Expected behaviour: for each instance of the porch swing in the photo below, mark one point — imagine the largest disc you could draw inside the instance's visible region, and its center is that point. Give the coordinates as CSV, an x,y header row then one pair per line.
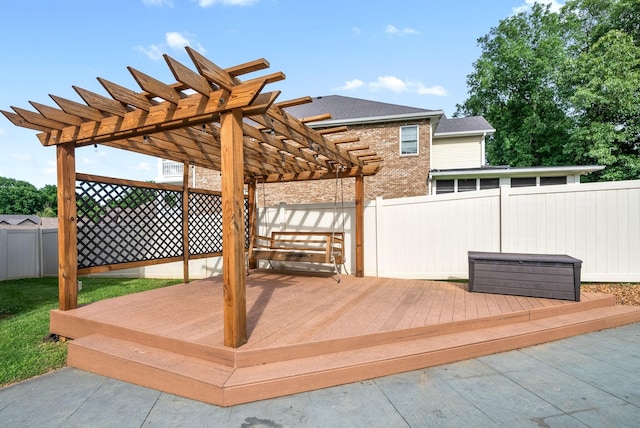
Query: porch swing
x,y
324,247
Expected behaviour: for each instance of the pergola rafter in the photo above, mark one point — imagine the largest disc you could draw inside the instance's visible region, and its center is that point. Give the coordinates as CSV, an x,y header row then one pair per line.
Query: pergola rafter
x,y
208,118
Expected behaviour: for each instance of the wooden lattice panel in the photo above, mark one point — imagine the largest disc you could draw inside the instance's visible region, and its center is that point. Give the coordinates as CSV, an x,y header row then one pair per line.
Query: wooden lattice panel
x,y
120,223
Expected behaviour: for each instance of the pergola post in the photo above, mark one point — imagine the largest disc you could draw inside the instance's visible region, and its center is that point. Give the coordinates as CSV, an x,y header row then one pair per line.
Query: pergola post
x,y
231,144
359,226
185,222
253,218
67,227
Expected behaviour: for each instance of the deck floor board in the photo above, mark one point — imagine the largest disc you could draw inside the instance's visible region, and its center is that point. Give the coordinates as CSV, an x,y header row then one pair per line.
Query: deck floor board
x,y
286,309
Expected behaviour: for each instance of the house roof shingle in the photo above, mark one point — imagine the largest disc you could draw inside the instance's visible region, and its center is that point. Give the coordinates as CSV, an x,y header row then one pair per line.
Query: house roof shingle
x,y
344,108
348,109
463,125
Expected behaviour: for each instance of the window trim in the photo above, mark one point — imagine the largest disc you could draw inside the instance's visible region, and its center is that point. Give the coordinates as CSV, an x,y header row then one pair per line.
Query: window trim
x,y
417,153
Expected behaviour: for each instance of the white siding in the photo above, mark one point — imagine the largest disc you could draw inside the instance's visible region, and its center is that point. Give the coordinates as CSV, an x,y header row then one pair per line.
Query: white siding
x,y
454,153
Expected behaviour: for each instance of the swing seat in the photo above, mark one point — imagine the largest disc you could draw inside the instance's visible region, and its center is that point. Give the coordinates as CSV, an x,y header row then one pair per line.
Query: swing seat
x,y
314,247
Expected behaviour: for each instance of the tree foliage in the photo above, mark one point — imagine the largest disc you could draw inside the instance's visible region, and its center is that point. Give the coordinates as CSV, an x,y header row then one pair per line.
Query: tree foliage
x,y
606,90
133,197
21,197
562,89
514,88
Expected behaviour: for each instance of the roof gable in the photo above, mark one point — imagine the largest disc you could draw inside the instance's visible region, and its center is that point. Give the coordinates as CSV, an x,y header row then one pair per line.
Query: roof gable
x,y
19,220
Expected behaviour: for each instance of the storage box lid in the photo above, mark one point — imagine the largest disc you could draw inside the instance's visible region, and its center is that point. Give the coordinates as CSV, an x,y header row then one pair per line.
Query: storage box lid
x,y
523,257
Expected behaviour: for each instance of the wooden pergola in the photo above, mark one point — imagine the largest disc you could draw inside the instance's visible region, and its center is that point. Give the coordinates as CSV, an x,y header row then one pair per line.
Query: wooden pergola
x,y
208,118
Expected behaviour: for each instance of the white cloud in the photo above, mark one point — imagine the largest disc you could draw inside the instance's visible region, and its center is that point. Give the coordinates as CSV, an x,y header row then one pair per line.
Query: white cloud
x,y
142,166
153,52
356,30
391,83
391,29
394,84
158,2
207,3
350,85
176,40
433,90
528,4
173,40
2,132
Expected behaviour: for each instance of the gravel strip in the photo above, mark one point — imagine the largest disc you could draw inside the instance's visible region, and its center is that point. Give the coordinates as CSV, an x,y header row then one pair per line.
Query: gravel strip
x,y
626,294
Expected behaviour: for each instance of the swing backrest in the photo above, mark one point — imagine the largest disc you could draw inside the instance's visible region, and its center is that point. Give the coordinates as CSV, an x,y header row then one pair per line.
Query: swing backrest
x,y
319,247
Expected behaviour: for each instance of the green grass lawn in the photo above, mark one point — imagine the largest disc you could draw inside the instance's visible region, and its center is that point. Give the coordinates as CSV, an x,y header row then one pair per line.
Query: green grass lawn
x,y
24,320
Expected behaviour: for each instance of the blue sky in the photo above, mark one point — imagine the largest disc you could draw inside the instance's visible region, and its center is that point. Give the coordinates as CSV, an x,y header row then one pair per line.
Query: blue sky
x,y
415,53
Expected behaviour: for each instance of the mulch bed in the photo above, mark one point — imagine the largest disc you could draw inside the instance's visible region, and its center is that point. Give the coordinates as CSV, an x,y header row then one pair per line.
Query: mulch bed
x,y
626,294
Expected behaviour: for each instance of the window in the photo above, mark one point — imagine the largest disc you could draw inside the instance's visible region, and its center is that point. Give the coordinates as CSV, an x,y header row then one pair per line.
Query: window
x,y
408,140
444,186
172,168
466,184
489,183
549,181
523,181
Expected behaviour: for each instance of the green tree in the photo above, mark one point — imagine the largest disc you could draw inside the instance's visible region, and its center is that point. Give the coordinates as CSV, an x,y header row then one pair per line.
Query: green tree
x,y
88,208
50,198
515,87
589,20
19,197
563,88
602,85
133,197
606,99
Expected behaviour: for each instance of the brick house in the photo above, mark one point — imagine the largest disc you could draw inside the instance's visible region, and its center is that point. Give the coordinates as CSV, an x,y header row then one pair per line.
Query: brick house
x,y
403,136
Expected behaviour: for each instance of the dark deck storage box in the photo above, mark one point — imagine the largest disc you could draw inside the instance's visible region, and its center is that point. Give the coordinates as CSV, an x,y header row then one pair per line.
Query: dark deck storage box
x,y
532,275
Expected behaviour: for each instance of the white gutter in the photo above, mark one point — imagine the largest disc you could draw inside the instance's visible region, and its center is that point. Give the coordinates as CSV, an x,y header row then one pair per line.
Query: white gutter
x,y
464,133
517,172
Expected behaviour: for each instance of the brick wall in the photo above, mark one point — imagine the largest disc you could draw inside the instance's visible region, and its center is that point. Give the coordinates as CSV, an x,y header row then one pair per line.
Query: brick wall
x,y
399,177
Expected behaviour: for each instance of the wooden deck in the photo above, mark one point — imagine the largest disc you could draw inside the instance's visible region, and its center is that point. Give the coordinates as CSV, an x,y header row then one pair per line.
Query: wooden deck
x,y
311,332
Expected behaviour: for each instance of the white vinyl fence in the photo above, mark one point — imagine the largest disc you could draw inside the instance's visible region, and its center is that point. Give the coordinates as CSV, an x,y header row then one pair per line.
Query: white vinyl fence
x,y
429,236
28,253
